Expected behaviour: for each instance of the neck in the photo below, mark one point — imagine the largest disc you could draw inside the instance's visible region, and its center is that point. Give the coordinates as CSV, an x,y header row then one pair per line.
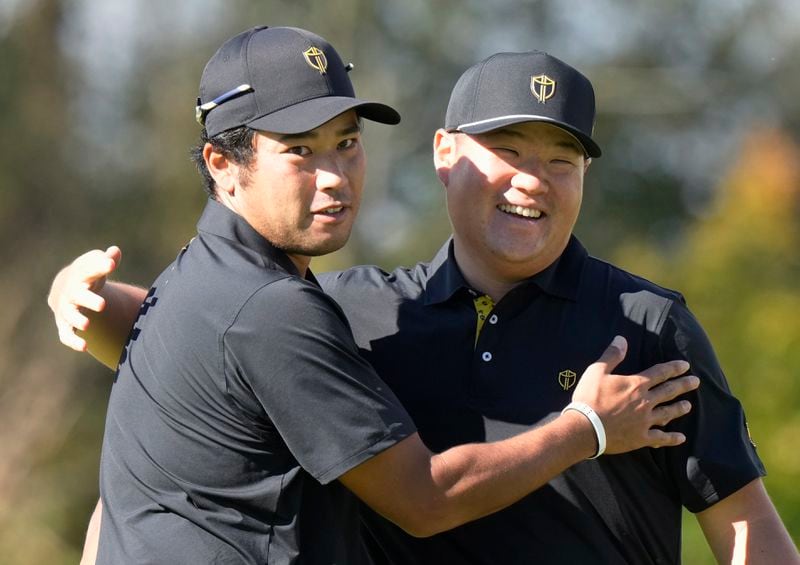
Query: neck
x,y
492,275
301,262
483,277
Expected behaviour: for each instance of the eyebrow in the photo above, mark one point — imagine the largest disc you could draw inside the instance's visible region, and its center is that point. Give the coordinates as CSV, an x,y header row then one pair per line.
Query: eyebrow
x,y
313,134
571,145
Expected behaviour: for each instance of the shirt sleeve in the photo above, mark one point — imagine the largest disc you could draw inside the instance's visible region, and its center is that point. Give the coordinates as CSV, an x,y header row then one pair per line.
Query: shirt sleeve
x,y
718,457
293,346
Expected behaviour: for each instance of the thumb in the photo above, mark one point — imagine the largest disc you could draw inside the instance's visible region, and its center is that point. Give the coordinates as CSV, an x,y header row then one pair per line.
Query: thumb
x,y
614,353
115,254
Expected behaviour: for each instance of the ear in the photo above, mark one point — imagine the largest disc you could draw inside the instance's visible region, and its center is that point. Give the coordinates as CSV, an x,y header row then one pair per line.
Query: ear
x,y
444,151
224,171
586,163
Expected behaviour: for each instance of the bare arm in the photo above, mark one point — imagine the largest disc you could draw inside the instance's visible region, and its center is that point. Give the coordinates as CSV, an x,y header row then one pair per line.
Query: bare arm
x,y
745,528
92,314
425,493
92,536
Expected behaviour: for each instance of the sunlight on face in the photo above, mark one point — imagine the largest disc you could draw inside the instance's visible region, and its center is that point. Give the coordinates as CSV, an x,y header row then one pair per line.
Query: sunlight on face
x,y
513,195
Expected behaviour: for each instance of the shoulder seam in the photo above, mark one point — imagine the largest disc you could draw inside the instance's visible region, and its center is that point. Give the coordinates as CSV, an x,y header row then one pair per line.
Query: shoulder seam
x,y
229,324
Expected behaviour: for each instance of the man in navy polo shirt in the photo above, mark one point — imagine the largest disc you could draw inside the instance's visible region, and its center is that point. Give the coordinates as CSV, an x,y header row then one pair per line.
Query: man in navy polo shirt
x,y
242,419
512,309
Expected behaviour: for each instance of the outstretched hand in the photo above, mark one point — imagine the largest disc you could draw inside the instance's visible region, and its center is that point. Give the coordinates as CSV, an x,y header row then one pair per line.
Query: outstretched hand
x,y
76,288
634,407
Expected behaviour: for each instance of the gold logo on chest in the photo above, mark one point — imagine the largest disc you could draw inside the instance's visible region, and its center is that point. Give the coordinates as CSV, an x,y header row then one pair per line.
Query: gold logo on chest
x,y
567,379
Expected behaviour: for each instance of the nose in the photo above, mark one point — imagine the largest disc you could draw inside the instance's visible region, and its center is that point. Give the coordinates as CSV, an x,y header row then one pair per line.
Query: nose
x,y
529,179
331,174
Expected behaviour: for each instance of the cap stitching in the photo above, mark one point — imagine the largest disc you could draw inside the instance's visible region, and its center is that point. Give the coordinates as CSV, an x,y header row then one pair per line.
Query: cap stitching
x,y
478,83
260,112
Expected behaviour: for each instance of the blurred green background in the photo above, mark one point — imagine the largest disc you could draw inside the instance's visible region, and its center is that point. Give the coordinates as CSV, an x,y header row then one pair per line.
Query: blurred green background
x,y
698,188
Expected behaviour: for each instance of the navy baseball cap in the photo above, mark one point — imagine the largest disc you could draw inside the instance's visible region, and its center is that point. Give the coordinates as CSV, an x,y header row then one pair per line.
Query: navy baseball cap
x,y
281,80
510,88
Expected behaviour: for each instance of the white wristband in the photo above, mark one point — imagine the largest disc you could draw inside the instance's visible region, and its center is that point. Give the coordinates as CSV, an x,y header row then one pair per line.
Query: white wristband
x,y
596,422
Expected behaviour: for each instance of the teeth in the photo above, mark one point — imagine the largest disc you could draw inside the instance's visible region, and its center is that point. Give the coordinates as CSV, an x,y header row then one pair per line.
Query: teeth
x,y
521,211
332,210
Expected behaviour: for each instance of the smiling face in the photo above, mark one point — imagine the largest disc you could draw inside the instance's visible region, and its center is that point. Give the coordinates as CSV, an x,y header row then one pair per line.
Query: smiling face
x,y
303,191
513,195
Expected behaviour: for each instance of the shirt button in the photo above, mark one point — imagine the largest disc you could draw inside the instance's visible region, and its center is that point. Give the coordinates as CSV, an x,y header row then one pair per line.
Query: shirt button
x,y
486,356
493,319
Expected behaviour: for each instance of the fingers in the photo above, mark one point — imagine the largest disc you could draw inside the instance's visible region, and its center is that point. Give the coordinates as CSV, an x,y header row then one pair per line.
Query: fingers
x,y
67,336
663,415
72,317
95,264
614,354
76,287
115,254
69,319
85,298
673,388
657,374
660,438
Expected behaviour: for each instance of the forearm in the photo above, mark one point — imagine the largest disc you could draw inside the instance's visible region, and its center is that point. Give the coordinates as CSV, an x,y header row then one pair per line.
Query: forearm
x,y
426,494
475,480
746,528
764,540
108,330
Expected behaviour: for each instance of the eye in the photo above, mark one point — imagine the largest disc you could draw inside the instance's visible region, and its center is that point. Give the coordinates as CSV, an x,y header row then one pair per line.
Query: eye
x,y
348,143
301,150
562,162
506,151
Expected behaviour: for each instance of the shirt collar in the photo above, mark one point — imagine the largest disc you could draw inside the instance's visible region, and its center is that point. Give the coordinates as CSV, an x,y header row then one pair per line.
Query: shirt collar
x,y
560,279
217,219
445,277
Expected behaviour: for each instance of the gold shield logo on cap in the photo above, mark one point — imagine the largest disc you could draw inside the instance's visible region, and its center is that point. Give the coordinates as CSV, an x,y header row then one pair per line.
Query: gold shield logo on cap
x,y
316,59
567,379
543,87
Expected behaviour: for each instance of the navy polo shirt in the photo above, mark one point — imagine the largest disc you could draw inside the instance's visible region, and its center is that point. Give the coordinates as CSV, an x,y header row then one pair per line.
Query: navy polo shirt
x,y
240,398
417,328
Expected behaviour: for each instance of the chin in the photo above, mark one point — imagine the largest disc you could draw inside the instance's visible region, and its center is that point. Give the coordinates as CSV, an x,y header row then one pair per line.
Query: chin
x,y
320,248
528,261
517,251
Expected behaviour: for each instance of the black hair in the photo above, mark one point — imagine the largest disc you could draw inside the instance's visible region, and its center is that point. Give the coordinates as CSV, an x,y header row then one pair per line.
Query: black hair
x,y
236,144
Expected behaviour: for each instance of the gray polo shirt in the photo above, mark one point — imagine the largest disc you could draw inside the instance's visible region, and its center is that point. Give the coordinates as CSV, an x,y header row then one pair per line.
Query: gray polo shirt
x,y
240,398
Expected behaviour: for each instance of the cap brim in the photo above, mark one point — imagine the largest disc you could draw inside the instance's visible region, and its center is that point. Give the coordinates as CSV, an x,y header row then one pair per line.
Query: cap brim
x,y
589,146
310,114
